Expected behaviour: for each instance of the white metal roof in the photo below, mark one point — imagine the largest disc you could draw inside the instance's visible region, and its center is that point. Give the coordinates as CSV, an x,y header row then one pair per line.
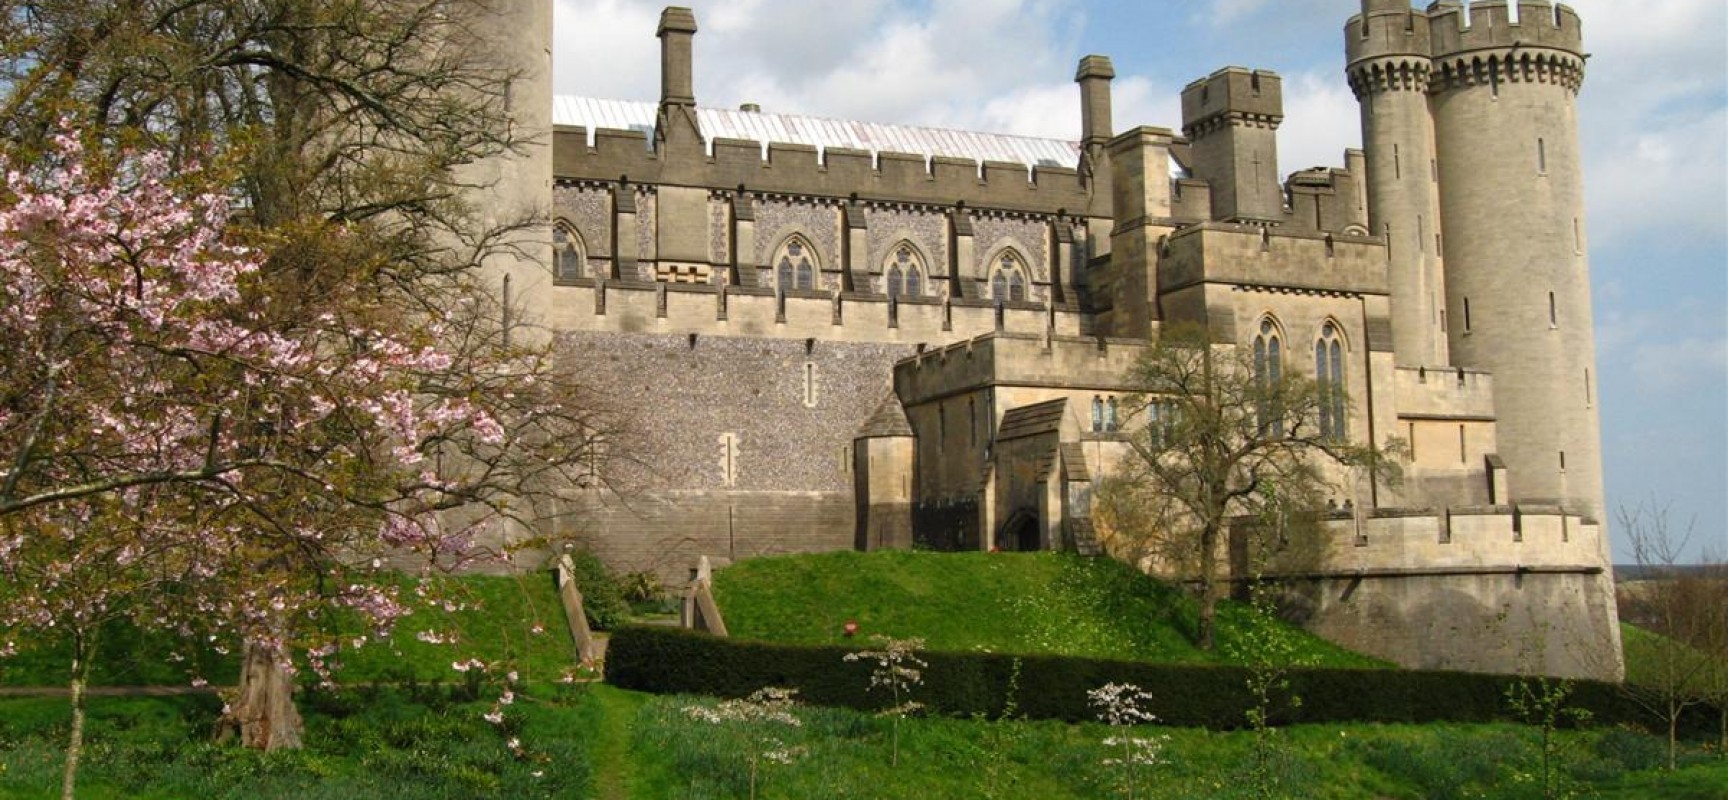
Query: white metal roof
x,y
823,133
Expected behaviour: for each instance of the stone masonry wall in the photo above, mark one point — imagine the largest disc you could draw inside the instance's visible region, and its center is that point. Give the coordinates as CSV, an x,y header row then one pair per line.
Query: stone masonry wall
x,y
682,397
725,450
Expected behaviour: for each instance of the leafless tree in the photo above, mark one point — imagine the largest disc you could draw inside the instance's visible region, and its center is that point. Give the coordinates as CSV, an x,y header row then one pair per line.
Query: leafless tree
x,y
1218,439
1670,667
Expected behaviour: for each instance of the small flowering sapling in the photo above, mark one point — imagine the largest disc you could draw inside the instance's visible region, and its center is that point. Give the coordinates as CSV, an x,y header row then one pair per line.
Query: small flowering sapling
x,y
1124,705
1269,650
757,716
897,669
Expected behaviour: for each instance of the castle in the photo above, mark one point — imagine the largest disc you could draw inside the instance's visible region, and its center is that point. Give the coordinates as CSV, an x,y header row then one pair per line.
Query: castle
x,y
834,334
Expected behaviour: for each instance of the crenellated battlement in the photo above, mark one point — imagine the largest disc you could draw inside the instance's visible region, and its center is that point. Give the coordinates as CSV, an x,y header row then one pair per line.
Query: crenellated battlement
x,y
1232,96
762,313
1397,33
1460,540
1490,25
1246,255
1452,46
801,169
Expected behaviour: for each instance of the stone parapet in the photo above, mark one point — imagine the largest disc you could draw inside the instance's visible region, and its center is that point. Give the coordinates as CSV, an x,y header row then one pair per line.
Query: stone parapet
x,y
759,312
1252,256
1458,540
803,170
1393,31
1490,25
1445,393
1068,362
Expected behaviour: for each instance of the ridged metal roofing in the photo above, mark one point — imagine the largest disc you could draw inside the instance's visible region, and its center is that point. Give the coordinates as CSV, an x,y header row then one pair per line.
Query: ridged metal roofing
x,y
823,133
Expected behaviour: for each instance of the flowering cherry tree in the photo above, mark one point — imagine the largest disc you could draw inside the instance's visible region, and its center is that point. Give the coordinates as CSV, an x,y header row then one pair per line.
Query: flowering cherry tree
x,y
179,451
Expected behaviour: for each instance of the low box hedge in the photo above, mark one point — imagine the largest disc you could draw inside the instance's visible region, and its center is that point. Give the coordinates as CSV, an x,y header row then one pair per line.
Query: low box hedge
x,y
672,661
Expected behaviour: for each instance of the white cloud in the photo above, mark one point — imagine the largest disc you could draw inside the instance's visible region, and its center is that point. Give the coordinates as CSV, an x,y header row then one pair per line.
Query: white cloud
x,y
878,60
606,48
1321,119
1654,124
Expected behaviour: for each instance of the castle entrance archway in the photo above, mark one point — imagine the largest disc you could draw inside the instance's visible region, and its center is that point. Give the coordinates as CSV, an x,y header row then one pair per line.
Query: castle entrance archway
x,y
1020,533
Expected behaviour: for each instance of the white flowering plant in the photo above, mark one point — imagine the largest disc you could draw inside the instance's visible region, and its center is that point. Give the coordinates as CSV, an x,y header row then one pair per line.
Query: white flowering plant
x,y
1121,705
897,669
757,716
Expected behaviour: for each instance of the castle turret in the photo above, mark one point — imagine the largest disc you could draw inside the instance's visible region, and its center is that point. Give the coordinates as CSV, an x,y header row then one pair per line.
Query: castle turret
x,y
1505,84
1388,46
513,186
1232,118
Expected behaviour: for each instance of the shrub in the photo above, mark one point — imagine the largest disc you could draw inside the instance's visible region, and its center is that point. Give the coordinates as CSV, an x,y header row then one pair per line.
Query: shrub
x,y
1632,750
602,593
672,661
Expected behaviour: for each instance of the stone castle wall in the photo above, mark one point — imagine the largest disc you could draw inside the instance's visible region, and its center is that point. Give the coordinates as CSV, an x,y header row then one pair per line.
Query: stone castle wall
x,y
1493,588
727,446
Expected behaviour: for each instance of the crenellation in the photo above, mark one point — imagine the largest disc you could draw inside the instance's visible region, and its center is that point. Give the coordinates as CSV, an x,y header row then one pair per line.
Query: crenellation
x,y
1216,252
1445,393
735,156
1489,26
1398,31
806,169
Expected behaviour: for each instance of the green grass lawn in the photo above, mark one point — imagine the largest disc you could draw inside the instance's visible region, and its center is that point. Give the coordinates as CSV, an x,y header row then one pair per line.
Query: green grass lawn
x,y
606,744
1021,603
361,744
423,735
515,622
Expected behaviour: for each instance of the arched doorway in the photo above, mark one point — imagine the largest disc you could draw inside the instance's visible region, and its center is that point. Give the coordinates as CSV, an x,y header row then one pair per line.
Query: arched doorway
x,y
1020,533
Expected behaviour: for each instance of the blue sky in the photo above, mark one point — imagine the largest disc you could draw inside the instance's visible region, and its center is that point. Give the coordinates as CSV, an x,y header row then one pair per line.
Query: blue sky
x,y
1654,118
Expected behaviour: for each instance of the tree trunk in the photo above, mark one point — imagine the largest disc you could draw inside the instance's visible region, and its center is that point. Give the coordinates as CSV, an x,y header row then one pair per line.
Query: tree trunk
x,y
264,712
1206,636
83,654
75,739
1673,738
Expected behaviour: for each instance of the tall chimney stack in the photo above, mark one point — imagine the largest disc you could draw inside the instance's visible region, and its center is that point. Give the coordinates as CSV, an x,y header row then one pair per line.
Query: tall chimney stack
x,y
677,64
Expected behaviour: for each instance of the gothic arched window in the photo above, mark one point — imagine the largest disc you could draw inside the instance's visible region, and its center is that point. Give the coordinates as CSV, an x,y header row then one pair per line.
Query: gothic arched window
x,y
794,265
905,273
1009,279
1097,414
1329,373
569,261
1268,374
1110,409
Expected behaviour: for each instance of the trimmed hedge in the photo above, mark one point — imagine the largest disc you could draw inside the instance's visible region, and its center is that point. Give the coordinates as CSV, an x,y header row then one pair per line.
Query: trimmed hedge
x,y
672,661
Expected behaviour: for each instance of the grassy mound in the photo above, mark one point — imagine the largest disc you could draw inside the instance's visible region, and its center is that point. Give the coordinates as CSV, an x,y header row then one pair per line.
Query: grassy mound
x,y
1022,603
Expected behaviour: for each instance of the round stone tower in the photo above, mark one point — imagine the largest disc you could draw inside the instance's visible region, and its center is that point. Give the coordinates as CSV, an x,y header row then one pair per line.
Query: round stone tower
x,y
1388,46
1505,85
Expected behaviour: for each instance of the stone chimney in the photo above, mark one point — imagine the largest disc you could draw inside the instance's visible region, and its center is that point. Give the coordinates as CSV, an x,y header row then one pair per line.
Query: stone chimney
x,y
1094,77
677,64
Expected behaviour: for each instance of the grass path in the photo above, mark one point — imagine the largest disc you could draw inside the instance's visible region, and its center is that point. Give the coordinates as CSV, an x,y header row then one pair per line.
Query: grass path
x,y
614,773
